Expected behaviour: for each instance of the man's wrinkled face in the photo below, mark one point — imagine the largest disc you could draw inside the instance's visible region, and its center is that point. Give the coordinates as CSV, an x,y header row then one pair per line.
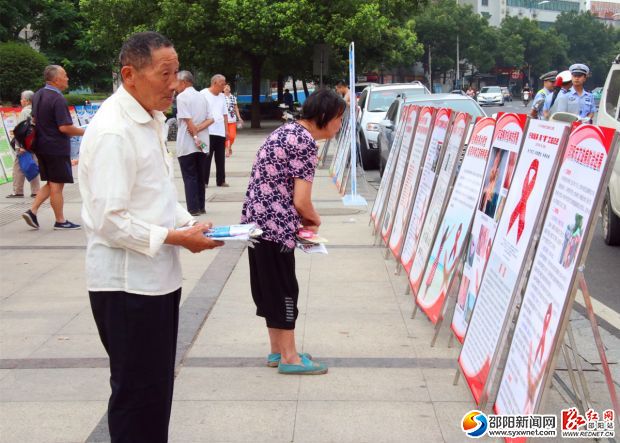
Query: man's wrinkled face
x,y
219,85
154,85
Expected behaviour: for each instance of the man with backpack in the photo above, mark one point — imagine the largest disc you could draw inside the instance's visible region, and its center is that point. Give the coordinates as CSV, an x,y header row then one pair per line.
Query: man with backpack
x,y
18,174
53,130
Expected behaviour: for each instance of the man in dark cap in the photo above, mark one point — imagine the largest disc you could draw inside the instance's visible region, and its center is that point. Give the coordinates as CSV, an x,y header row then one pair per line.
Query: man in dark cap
x,y
548,80
577,100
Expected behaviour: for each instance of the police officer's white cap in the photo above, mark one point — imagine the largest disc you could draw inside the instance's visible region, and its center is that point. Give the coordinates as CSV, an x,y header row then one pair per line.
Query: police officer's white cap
x,y
564,77
579,68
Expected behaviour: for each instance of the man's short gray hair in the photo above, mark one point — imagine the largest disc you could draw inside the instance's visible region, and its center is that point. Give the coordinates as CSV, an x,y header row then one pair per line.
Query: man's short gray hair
x,y
50,72
27,95
216,78
137,49
185,76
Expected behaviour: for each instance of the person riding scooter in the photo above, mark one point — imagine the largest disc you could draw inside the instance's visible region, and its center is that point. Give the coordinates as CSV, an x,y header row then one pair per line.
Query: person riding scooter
x,y
526,93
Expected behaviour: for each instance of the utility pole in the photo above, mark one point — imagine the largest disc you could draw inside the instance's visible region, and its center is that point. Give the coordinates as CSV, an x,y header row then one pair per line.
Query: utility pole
x,y
430,70
458,57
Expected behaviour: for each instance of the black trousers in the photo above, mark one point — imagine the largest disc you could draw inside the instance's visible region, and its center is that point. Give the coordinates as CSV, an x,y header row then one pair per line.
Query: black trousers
x,y
217,149
139,333
193,170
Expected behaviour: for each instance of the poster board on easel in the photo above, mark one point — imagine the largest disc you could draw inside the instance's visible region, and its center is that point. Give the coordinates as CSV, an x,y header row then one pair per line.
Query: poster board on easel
x,y
388,172
437,272
566,235
391,198
398,209
507,141
502,282
416,241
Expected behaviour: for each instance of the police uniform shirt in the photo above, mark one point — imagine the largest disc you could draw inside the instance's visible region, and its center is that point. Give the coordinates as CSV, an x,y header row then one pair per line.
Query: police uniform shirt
x,y
575,104
547,105
539,101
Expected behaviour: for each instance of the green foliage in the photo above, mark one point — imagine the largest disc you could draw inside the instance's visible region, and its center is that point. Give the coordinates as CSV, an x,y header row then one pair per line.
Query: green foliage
x,y
22,69
596,44
80,99
15,15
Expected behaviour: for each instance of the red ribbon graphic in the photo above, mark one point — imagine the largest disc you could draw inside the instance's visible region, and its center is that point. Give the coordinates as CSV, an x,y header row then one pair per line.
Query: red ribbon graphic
x,y
431,274
456,241
519,211
540,350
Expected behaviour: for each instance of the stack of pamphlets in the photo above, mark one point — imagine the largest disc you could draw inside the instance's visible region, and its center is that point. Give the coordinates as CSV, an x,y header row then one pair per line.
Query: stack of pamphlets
x,y
310,242
245,232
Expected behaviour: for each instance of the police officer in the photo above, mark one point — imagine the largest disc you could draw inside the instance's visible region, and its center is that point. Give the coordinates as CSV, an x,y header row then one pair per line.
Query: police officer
x,y
577,100
563,83
548,81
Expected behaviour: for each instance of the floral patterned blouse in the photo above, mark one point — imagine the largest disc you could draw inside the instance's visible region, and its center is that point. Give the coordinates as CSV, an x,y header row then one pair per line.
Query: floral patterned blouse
x,y
289,152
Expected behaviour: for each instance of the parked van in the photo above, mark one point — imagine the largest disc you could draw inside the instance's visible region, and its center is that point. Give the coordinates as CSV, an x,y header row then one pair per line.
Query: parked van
x,y
609,115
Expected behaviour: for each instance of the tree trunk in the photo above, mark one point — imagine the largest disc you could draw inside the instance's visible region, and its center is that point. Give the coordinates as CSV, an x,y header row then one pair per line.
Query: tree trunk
x,y
256,64
303,82
280,88
294,89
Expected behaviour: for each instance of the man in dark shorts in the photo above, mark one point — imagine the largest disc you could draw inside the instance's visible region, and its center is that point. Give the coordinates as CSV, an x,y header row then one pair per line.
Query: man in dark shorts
x,y
53,129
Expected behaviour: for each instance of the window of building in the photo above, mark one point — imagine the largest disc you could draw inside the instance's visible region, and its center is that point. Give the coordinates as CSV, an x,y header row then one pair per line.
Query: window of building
x,y
485,2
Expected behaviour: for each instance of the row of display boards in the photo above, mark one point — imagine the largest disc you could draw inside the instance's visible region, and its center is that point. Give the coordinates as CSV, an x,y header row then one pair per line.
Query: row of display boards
x,y
499,213
81,115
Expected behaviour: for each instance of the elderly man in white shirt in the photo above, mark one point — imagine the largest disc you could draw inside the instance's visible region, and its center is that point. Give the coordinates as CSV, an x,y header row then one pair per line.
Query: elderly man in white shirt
x,y
194,117
131,218
218,132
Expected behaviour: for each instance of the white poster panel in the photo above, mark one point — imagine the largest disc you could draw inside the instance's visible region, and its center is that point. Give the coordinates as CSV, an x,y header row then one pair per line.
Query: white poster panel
x,y
497,180
524,205
430,170
549,292
438,271
401,166
410,184
418,250
388,172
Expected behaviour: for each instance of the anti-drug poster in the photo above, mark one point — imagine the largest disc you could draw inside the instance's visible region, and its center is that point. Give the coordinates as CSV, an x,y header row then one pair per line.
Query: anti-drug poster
x,y
497,180
408,237
548,295
410,184
388,172
10,116
417,249
399,172
524,206
430,283
6,158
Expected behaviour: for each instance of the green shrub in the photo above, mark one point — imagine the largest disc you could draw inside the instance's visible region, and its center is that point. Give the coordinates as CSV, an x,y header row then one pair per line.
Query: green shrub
x,y
79,99
21,68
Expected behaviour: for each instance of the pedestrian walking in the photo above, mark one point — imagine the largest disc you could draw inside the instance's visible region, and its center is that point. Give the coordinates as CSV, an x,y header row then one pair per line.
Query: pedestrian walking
x,y
577,100
234,118
548,80
288,99
18,174
193,117
53,130
278,200
218,132
343,89
131,218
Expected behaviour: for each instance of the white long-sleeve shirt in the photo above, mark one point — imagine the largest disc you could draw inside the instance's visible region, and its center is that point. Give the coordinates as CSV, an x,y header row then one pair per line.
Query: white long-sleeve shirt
x,y
129,200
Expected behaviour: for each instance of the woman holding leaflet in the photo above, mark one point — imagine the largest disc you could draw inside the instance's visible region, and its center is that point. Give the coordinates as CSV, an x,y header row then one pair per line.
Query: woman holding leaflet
x,y
278,200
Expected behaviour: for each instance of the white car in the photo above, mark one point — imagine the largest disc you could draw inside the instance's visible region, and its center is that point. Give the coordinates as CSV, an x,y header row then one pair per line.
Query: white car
x,y
491,95
609,115
374,102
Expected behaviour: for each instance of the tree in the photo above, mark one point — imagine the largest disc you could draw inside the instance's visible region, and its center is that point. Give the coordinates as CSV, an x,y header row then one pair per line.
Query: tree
x,y
15,16
22,68
596,44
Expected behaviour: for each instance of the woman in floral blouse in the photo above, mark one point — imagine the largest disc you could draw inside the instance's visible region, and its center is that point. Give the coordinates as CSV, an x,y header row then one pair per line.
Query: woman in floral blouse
x,y
278,200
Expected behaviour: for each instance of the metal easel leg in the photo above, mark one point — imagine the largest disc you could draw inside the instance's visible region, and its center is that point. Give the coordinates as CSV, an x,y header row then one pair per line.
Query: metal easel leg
x,y
571,376
398,268
582,378
415,310
457,376
408,290
387,253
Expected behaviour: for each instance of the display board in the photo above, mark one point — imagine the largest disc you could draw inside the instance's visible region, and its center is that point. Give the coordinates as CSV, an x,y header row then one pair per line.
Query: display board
x,y
10,117
496,185
438,271
388,172
401,167
421,138
6,157
501,284
417,244
547,300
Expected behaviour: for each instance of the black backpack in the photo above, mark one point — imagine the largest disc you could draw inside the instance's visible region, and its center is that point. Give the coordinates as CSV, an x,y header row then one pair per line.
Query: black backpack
x,y
24,134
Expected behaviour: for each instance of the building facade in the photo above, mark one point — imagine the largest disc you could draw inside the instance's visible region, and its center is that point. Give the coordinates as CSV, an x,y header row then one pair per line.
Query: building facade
x,y
543,11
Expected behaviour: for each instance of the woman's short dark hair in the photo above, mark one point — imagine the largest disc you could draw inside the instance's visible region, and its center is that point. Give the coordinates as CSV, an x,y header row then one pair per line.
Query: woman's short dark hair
x,y
322,106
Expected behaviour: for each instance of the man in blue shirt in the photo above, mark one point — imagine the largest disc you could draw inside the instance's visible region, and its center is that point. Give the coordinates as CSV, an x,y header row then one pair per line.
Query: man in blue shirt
x,y
539,101
53,130
577,100
563,83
